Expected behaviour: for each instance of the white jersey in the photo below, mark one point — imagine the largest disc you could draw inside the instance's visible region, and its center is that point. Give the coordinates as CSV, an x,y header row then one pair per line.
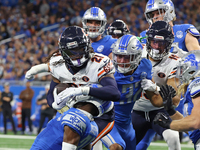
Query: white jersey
x,y
97,66
162,71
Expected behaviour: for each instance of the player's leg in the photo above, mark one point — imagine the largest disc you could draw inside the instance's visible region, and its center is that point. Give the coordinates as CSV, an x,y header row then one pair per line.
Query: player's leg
x,y
128,135
145,142
170,136
105,124
140,124
113,140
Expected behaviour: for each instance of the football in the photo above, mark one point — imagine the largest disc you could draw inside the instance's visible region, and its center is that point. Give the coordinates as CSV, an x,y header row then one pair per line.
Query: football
x,y
61,86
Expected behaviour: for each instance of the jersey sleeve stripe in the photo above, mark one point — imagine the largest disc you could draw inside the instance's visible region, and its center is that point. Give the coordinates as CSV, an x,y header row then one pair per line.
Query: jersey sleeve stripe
x,y
105,131
101,72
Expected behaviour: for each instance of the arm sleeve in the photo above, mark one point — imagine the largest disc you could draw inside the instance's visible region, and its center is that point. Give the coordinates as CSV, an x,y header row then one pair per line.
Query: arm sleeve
x,y
109,91
50,98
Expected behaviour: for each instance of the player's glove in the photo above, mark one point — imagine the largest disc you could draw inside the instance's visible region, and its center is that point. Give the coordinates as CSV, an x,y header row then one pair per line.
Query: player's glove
x,y
167,92
58,103
162,120
148,85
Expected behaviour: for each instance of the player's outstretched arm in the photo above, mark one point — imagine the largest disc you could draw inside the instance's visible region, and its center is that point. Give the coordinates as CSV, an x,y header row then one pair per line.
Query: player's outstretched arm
x,y
35,70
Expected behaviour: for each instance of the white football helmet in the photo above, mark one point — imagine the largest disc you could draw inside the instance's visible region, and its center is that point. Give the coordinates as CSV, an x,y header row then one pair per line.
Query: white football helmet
x,y
189,66
127,52
94,13
163,6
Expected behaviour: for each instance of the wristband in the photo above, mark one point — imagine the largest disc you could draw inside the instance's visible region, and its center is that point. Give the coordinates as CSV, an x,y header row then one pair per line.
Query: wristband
x,y
68,146
171,111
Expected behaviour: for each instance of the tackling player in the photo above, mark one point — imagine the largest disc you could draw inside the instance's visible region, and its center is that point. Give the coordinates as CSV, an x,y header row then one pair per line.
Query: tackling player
x,y
188,74
131,71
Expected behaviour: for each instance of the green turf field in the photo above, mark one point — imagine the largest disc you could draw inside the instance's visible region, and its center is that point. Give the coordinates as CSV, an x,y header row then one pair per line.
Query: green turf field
x,y
24,142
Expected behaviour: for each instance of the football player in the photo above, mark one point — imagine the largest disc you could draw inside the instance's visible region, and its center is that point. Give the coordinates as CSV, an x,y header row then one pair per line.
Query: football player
x,y
159,41
185,37
117,29
188,73
75,63
94,22
133,74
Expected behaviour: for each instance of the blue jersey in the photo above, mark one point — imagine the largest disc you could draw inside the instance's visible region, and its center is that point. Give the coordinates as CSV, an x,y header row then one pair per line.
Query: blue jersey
x,y
130,88
103,46
51,137
180,32
192,90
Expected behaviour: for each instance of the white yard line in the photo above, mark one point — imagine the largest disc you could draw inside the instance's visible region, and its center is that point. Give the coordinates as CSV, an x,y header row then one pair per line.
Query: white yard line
x,y
165,145
17,136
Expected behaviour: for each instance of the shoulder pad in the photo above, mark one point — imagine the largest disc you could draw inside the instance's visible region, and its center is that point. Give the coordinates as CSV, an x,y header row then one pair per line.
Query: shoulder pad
x,y
192,30
194,87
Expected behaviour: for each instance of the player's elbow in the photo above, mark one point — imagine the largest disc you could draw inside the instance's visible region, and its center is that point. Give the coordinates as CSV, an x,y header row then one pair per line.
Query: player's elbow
x,y
116,95
157,101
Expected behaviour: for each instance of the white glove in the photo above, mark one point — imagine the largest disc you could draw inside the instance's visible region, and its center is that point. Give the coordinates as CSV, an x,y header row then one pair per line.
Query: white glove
x,y
148,85
58,103
67,96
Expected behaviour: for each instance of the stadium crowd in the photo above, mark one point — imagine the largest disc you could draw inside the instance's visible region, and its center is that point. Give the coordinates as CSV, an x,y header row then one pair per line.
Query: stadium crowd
x,y
40,23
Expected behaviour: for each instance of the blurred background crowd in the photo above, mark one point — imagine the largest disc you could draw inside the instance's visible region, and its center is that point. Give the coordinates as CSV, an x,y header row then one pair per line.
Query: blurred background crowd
x,y
29,29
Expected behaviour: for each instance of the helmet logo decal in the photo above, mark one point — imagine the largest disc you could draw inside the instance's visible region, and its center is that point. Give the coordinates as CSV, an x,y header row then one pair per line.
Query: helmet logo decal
x,y
72,44
159,37
179,34
139,45
124,42
94,11
100,48
192,58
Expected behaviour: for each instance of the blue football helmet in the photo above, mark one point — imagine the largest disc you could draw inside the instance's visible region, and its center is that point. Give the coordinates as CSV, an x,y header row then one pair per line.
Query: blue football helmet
x,y
162,6
189,66
127,52
74,46
94,13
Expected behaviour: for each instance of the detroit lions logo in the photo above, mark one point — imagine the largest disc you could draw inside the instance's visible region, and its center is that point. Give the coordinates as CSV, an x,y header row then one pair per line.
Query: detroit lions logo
x,y
179,34
100,48
75,120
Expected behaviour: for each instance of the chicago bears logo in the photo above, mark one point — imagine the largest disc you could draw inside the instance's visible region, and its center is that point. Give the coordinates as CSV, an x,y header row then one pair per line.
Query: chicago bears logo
x,y
85,78
108,67
161,75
